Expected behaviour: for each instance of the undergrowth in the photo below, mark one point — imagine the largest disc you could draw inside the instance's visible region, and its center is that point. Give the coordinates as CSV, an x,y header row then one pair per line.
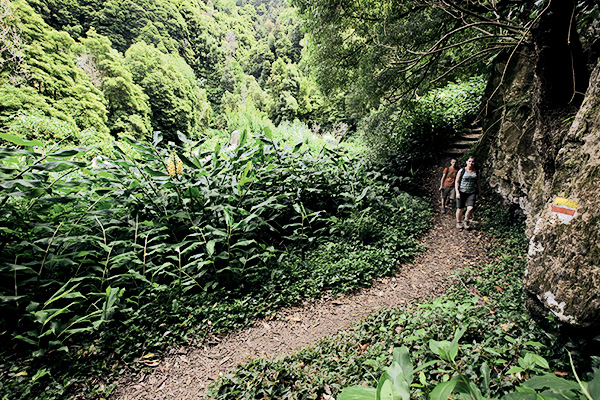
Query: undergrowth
x,y
105,263
487,301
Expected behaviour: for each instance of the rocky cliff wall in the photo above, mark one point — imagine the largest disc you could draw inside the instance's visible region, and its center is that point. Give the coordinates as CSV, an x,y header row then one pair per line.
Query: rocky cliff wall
x,y
549,165
509,156
563,270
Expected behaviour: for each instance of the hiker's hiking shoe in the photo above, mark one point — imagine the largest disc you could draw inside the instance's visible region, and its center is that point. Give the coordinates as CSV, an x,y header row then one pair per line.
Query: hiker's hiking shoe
x,y
466,224
459,225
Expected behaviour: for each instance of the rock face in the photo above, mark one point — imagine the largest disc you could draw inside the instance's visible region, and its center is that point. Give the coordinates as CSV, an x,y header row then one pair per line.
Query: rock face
x,y
564,251
507,146
549,166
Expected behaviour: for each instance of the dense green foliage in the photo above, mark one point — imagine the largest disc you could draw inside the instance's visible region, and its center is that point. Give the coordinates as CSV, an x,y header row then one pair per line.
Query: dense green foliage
x,y
396,380
496,334
405,139
396,50
111,251
112,247
134,67
55,84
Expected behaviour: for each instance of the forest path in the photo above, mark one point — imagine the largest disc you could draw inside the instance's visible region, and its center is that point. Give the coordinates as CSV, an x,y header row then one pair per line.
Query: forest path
x,y
185,373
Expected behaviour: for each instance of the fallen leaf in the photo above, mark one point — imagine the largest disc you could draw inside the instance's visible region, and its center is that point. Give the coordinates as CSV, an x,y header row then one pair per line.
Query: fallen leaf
x,y
498,288
151,363
558,373
22,373
507,326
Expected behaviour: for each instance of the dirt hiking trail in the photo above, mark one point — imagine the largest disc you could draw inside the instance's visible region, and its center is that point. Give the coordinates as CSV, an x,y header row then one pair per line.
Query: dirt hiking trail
x,y
185,373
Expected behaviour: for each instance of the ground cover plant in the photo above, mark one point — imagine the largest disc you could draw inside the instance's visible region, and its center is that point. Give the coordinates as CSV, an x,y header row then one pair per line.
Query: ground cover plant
x,y
107,260
478,333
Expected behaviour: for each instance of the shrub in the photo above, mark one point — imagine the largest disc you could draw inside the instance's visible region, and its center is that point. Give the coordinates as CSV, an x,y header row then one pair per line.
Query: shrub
x,y
404,139
103,255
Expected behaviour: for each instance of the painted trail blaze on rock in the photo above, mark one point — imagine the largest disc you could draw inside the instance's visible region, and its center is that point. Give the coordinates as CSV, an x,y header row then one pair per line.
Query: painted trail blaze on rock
x,y
564,209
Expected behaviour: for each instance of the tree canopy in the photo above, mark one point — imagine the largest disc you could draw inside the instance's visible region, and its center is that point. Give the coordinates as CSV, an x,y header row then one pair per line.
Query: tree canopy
x,y
395,49
135,66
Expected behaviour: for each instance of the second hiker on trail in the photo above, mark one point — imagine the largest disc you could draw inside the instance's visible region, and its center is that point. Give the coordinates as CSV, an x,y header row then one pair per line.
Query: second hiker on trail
x,y
447,184
468,187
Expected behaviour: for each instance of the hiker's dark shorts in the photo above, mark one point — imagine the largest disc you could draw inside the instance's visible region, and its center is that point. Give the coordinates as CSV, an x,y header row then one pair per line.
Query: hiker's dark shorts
x,y
448,192
467,199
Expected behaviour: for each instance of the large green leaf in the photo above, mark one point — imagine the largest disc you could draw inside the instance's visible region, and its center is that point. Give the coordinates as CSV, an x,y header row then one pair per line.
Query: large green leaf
x,y
557,385
210,247
443,390
387,390
593,386
485,373
19,141
11,299
67,152
22,183
56,166
402,357
358,393
400,383
520,396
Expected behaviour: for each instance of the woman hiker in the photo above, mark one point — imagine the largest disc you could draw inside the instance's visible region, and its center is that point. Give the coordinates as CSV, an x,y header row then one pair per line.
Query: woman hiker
x,y
468,186
447,184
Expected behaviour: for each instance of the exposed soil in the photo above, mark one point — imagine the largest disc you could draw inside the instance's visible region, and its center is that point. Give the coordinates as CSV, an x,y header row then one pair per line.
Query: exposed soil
x,y
186,372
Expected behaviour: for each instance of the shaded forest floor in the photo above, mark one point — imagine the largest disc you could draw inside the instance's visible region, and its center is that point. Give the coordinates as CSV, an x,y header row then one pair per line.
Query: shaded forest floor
x,y
185,373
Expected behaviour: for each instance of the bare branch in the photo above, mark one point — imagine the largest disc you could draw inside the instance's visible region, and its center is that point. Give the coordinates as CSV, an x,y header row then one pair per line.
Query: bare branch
x,y
458,44
513,53
466,60
453,6
462,28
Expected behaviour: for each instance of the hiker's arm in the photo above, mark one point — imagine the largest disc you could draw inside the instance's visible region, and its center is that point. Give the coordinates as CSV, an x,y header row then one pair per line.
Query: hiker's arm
x,y
456,183
442,181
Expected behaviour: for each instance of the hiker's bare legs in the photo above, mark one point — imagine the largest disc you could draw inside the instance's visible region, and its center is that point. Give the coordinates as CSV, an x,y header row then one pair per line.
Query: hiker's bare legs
x,y
443,202
459,215
469,213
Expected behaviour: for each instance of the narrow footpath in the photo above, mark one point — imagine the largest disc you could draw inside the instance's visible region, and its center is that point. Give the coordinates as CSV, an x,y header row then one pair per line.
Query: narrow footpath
x,y
185,373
